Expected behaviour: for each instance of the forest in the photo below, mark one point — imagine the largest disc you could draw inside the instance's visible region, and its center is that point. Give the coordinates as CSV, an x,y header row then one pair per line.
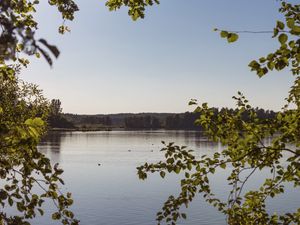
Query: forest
x,y
131,121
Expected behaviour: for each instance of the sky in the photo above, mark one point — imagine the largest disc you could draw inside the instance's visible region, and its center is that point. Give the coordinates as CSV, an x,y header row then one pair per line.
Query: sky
x,y
111,64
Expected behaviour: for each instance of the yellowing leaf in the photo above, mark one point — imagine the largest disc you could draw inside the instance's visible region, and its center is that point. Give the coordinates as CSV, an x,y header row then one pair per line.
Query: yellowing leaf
x,y
232,37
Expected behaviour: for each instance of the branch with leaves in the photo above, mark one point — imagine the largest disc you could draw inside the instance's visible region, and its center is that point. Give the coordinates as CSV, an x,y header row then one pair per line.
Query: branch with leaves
x,y
23,168
245,151
23,112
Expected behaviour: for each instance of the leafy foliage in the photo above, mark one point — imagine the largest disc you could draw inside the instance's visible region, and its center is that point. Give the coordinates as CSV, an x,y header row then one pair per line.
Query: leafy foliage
x,y
18,28
287,33
245,152
136,7
23,112
230,36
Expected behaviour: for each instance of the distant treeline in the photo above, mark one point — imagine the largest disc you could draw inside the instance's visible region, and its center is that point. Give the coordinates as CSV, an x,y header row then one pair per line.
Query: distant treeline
x,y
56,119
89,120
171,121
122,120
142,122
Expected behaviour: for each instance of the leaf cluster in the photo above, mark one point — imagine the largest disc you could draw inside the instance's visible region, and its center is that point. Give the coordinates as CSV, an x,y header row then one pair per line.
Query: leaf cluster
x,y
245,151
287,33
245,154
136,8
18,27
23,169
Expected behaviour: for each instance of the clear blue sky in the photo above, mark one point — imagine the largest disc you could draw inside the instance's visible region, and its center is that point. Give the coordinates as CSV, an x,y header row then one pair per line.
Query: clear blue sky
x,y
110,64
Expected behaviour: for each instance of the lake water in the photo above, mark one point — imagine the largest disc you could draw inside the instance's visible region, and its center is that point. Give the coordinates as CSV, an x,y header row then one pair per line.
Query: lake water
x,y
112,194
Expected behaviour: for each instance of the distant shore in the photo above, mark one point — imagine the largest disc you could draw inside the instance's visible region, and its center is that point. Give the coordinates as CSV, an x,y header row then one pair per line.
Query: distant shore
x,y
85,129
110,129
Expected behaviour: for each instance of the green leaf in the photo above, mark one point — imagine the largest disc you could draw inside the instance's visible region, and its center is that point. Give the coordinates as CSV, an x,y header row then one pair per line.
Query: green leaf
x,y
283,38
290,23
3,195
232,37
193,102
162,174
41,212
56,216
224,34
296,29
271,65
275,32
280,25
10,201
223,165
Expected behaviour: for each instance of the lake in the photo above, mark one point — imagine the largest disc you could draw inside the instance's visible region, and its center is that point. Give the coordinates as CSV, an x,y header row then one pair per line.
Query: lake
x,y
112,194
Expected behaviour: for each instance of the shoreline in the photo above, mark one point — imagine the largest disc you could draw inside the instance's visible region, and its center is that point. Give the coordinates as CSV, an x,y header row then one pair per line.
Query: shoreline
x,y
112,129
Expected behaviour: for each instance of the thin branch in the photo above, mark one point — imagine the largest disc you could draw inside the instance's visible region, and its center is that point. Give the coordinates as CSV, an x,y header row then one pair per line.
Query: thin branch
x,y
244,182
253,32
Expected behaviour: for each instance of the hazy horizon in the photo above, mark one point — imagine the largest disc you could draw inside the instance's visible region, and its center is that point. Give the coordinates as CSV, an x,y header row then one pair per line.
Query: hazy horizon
x,y
117,113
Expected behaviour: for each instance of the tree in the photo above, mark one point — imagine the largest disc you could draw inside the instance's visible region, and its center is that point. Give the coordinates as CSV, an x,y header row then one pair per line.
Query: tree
x,y
55,117
23,112
243,132
55,107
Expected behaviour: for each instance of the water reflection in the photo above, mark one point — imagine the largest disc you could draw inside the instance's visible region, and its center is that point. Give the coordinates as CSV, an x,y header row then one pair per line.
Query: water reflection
x,y
112,194
51,145
116,141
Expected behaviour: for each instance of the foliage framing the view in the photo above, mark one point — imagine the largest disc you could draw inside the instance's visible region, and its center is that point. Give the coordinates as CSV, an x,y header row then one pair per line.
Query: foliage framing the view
x,y
23,112
246,152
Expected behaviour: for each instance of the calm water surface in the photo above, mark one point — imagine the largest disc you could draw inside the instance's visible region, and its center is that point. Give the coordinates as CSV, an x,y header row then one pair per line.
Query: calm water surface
x,y
112,194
